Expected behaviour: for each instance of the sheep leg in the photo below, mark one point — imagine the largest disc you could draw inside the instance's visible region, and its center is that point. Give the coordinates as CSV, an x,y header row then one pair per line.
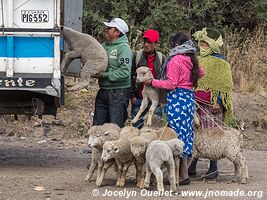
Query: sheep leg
x,y
143,173
141,109
119,174
124,172
171,171
138,167
236,159
99,170
91,170
241,169
148,175
104,170
159,176
151,111
68,58
177,168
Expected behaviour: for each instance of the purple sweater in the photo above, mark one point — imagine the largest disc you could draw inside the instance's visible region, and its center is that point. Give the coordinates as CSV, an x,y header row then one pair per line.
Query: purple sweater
x,y
178,74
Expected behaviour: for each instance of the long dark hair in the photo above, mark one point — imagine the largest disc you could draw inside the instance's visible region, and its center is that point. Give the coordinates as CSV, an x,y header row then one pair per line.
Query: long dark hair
x,y
179,39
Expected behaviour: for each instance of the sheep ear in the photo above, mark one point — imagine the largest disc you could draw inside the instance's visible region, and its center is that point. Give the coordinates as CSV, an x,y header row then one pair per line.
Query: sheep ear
x,y
146,142
106,132
116,149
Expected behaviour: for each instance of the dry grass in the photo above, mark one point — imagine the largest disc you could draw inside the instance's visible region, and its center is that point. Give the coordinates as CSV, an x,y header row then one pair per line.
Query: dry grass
x,y
247,53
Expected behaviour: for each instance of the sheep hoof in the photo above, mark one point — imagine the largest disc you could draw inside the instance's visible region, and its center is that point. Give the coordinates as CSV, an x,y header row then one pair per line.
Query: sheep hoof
x,y
142,186
87,178
122,184
244,181
98,184
161,192
149,123
146,185
235,180
134,121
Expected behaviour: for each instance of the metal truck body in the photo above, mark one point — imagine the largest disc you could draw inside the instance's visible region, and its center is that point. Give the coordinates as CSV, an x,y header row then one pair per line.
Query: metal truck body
x,y
30,78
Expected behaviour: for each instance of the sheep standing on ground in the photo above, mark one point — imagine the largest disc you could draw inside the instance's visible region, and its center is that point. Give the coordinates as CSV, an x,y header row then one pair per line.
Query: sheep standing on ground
x,y
215,144
159,153
138,148
98,135
149,93
140,143
92,54
121,150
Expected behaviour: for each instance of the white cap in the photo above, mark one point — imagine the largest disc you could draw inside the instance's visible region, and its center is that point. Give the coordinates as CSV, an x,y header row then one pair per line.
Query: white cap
x,y
119,24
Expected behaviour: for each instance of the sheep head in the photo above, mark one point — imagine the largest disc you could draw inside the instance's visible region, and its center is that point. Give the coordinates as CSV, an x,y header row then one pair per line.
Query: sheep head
x,y
138,146
143,74
94,133
98,135
110,150
176,146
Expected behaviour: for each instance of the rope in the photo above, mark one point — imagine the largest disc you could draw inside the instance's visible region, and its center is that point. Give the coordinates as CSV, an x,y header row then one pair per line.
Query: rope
x,y
163,131
206,175
198,106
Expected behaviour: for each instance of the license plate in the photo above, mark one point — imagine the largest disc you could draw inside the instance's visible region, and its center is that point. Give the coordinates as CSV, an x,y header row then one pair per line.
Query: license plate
x,y
34,16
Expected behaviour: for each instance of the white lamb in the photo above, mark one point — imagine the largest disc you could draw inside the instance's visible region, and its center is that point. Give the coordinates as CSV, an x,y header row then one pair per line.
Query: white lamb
x,y
98,135
92,54
139,145
149,93
215,144
159,153
121,150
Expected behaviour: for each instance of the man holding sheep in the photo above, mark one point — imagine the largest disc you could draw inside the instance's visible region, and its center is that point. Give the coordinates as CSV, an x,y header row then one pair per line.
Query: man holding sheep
x,y
113,97
153,59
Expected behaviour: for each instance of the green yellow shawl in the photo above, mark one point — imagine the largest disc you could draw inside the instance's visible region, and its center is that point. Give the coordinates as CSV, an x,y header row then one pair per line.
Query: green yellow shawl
x,y
218,80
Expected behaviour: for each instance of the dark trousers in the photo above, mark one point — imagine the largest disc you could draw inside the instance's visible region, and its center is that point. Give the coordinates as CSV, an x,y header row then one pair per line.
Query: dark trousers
x,y
111,106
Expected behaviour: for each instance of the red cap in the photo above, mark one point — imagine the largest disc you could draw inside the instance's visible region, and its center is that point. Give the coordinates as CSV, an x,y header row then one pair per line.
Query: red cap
x,y
151,35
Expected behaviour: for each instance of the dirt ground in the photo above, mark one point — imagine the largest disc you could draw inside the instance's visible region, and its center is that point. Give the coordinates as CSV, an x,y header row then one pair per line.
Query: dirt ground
x,y
46,159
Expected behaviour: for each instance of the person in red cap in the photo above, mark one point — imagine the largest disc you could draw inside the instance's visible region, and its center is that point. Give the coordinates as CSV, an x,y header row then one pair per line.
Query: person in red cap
x,y
151,58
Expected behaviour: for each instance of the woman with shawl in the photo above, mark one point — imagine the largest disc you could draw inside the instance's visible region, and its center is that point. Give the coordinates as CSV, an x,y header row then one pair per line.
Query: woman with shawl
x,y
182,74
214,92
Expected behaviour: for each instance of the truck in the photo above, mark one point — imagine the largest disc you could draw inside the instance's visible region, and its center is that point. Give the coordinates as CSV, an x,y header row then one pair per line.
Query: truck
x,y
31,82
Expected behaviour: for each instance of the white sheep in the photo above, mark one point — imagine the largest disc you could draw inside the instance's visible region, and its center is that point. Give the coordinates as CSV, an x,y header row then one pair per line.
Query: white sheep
x,y
140,143
98,135
149,93
215,144
138,149
121,150
158,153
92,54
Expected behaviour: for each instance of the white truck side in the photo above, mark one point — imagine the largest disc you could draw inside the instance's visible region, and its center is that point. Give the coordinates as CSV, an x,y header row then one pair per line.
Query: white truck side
x,y
30,78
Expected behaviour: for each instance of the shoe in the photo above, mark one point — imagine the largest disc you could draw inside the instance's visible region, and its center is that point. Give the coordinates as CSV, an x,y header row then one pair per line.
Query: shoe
x,y
192,168
192,174
213,170
185,182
